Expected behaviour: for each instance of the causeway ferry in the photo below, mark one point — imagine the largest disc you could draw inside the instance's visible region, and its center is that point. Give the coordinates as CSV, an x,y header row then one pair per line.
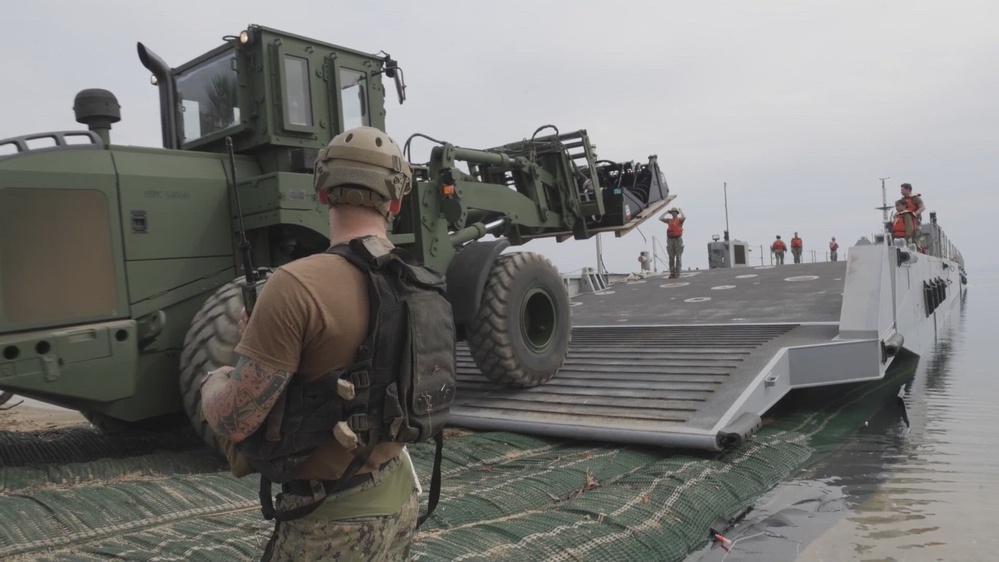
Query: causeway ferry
x,y
695,362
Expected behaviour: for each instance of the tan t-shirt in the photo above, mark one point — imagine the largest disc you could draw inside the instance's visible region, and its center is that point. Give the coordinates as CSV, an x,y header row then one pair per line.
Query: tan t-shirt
x,y
310,318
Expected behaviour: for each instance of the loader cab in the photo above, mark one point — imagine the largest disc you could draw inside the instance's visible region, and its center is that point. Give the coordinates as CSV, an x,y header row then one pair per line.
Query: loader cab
x,y
281,97
208,100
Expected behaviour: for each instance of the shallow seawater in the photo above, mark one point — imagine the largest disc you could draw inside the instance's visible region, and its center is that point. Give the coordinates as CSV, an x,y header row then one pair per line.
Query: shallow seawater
x,y
919,480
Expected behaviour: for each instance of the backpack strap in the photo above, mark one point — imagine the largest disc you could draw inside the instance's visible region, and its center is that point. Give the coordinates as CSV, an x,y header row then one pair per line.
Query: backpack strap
x,y
368,253
435,480
365,253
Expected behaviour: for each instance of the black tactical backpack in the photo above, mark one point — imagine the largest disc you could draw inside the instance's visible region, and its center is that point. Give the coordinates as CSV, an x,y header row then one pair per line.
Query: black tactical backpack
x,y
399,388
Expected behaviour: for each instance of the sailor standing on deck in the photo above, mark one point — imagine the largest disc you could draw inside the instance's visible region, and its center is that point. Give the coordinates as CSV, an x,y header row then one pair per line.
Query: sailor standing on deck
x,y
904,223
914,204
833,246
778,248
796,247
674,239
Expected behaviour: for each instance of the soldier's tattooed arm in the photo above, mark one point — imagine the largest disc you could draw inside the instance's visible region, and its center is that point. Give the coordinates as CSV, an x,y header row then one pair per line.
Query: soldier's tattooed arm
x,y
236,405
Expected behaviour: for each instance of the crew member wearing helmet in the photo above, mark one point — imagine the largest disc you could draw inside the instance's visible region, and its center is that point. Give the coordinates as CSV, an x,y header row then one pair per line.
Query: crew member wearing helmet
x,y
796,248
778,248
674,239
310,318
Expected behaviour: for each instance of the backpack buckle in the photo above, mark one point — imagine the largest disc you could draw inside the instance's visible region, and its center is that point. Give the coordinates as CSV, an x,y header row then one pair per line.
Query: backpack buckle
x,y
360,379
358,422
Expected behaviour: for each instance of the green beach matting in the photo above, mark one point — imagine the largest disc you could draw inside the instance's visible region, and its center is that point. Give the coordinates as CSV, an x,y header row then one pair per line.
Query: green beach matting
x,y
504,497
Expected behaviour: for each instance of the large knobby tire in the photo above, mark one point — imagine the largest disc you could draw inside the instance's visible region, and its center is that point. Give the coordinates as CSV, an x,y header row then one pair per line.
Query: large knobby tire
x,y
209,344
521,333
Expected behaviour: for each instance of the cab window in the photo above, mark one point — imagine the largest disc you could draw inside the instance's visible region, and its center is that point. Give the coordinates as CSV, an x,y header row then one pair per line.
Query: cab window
x,y
353,93
207,97
298,97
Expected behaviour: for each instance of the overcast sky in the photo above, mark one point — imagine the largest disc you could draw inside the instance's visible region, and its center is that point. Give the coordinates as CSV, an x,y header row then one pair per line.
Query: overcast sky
x,y
800,107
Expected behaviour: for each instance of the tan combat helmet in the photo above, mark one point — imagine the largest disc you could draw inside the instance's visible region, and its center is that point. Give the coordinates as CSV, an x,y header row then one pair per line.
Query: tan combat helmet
x,y
363,166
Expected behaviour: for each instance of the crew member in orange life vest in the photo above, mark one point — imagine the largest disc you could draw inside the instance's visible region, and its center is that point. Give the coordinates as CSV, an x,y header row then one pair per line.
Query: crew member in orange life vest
x,y
904,223
778,248
796,248
914,204
674,239
833,246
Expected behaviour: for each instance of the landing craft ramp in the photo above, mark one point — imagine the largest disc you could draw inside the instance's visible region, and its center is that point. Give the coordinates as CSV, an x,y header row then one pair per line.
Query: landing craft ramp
x,y
690,362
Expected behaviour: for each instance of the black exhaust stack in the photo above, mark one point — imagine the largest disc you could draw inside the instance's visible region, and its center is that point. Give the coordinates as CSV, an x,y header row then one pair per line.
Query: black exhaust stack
x,y
168,103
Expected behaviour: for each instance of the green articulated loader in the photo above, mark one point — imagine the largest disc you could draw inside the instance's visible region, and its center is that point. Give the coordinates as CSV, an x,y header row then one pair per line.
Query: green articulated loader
x,y
122,268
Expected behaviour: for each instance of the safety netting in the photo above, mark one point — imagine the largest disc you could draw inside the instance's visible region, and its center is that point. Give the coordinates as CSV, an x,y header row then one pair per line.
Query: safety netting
x,y
505,496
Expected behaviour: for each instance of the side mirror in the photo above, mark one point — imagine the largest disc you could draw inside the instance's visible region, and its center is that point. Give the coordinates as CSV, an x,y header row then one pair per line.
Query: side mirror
x,y
393,71
400,87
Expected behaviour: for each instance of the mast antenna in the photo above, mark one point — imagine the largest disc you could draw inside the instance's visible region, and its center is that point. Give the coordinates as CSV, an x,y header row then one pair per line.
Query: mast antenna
x,y
884,200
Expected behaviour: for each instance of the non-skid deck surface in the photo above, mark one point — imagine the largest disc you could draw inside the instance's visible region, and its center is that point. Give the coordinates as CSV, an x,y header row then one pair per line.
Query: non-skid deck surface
x,y
660,360
811,292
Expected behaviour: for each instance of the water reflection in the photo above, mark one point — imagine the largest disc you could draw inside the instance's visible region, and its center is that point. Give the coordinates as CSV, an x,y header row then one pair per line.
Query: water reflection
x,y
916,482
783,522
926,497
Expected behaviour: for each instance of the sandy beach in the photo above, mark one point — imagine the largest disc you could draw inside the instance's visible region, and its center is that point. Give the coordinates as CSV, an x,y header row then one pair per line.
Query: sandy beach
x,y
20,414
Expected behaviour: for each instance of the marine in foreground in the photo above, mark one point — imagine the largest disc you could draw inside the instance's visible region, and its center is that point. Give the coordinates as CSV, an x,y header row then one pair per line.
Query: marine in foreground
x,y
352,493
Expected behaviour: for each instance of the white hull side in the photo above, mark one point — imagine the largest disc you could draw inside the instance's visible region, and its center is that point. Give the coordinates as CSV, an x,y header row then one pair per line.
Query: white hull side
x,y
884,296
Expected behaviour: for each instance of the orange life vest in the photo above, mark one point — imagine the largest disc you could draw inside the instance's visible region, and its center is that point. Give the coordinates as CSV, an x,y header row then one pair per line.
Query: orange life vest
x,y
796,242
898,227
778,246
833,246
674,227
911,207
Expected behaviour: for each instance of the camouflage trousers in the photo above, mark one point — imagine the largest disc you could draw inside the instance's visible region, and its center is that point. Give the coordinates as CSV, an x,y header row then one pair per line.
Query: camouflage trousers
x,y
796,252
371,539
674,248
833,255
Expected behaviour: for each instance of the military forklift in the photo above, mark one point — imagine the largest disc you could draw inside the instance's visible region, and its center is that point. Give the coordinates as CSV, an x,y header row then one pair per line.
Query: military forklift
x,y
122,268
